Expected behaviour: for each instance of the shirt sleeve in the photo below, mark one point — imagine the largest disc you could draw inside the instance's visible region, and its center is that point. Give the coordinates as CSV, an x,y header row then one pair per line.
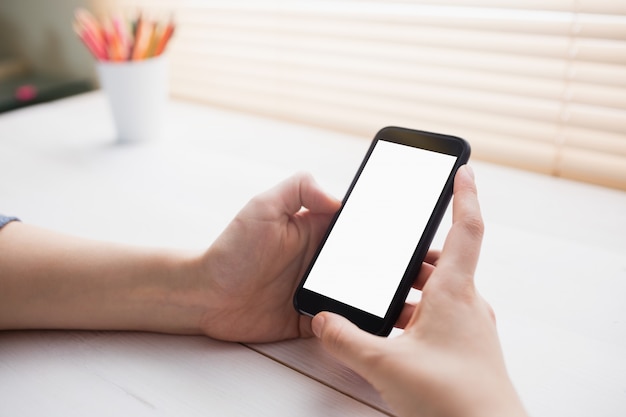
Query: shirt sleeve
x,y
4,220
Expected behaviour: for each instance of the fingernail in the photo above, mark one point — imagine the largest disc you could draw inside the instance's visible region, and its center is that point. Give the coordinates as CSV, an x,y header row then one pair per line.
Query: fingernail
x,y
317,324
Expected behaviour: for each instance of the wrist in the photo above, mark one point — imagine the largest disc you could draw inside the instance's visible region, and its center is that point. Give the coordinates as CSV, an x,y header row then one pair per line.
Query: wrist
x,y
501,400
173,296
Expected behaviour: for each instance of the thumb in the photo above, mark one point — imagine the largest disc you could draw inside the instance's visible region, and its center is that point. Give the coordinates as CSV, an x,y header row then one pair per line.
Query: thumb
x,y
313,197
345,341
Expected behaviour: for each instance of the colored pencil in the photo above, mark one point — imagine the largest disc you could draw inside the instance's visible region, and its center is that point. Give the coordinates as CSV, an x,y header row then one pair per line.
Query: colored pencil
x,y
114,38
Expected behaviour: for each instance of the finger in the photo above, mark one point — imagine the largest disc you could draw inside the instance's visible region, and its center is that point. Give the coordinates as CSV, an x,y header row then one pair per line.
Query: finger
x,y
406,315
289,196
300,190
425,272
313,197
462,246
304,326
432,257
345,341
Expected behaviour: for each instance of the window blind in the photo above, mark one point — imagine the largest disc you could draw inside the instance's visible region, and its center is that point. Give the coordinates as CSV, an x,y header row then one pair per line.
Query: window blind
x,y
539,85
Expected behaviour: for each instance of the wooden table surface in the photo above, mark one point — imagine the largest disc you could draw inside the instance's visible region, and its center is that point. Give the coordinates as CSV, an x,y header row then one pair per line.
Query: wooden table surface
x,y
553,267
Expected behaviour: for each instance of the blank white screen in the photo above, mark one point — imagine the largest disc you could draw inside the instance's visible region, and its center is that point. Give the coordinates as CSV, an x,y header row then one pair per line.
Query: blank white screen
x,y
372,241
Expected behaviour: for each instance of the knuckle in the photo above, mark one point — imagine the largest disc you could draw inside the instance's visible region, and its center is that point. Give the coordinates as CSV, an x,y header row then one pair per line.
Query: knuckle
x,y
474,225
490,311
333,338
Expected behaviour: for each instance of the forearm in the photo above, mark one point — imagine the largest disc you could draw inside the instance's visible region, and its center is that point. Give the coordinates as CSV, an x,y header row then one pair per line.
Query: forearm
x,y
50,280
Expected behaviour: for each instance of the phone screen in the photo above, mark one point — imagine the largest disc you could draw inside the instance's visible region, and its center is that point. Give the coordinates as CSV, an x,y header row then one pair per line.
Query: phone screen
x,y
375,235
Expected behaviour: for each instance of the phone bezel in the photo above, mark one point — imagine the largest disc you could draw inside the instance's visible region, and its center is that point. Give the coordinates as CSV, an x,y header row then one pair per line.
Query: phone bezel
x,y
310,303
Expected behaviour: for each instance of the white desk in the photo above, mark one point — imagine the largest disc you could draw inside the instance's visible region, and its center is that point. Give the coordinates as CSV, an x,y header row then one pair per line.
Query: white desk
x,y
553,267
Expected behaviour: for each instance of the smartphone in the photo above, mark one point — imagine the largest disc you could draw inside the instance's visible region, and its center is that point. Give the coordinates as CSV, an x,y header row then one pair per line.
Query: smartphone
x,y
377,241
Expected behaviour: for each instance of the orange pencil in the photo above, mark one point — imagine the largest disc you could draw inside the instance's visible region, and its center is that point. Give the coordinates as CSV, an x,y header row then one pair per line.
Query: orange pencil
x,y
165,37
142,39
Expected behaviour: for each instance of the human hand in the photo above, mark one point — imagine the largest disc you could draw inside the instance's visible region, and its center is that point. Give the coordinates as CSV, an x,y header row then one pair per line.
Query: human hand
x,y
255,265
448,361
240,289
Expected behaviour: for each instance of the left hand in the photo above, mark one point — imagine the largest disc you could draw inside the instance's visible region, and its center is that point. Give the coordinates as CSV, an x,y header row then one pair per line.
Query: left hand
x,y
254,266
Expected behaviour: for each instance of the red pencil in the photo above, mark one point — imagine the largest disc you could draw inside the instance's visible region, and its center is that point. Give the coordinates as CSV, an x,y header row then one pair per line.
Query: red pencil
x,y
96,48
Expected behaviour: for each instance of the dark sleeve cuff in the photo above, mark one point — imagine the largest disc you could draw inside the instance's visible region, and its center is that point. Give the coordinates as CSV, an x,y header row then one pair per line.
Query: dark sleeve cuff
x,y
4,220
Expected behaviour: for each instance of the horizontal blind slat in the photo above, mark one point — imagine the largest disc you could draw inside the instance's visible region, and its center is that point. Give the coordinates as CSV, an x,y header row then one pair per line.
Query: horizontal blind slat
x,y
611,143
610,7
578,25
404,40
533,67
595,167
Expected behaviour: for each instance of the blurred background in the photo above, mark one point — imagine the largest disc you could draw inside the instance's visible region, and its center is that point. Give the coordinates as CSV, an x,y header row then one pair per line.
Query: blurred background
x,y
538,85
41,58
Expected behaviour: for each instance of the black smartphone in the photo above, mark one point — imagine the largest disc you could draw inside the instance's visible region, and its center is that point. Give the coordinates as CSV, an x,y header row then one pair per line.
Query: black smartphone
x,y
377,241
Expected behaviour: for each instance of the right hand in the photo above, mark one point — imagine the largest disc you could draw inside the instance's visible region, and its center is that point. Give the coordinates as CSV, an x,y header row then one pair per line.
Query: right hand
x,y
448,361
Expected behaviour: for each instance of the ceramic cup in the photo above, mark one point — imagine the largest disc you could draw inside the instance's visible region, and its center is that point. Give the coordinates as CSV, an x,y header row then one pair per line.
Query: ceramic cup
x,y
138,95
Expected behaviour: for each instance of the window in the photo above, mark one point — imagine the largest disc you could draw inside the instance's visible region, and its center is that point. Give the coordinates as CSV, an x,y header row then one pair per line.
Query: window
x,y
539,85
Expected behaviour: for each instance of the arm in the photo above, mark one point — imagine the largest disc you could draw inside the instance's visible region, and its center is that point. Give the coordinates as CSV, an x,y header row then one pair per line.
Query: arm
x,y
51,280
239,289
448,361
